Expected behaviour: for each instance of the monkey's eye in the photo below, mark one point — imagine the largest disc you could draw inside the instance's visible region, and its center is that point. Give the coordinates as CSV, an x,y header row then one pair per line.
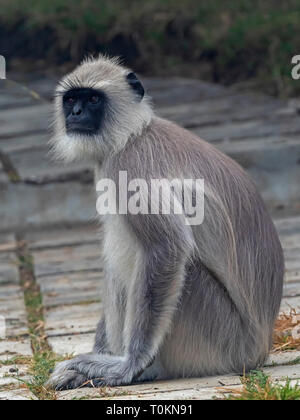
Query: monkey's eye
x,y
94,99
70,101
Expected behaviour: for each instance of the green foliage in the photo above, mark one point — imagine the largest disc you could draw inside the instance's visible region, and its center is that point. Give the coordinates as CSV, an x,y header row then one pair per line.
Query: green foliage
x,y
41,366
227,42
257,386
44,359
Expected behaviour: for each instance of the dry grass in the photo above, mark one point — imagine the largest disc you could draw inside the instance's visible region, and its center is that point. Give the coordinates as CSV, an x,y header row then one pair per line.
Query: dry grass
x,y
287,332
258,386
16,360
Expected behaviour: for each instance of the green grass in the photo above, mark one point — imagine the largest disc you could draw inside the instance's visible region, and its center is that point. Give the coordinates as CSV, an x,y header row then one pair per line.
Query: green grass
x,y
227,42
33,301
42,364
21,360
258,386
44,359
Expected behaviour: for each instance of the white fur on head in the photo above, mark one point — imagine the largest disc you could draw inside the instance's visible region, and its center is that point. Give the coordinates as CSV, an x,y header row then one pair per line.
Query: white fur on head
x,y
125,115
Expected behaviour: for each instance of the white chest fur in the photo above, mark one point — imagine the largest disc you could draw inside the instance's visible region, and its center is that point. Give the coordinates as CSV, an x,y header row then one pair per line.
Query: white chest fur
x,y
120,249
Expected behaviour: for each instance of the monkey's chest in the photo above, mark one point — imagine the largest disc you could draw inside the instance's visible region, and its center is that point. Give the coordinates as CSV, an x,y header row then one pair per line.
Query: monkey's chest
x,y
121,253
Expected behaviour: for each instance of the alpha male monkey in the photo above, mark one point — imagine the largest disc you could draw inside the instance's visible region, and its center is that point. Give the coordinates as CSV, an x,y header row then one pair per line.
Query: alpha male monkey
x,y
181,300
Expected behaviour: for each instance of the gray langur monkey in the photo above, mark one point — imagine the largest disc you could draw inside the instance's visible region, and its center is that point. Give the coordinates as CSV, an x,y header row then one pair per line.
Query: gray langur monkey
x,y
180,300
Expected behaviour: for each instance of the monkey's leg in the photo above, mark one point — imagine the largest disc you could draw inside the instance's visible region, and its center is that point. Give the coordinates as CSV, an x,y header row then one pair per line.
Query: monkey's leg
x,y
115,305
209,335
101,344
152,301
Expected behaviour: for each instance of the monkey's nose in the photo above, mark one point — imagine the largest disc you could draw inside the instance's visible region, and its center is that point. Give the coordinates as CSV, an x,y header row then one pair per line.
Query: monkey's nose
x,y
76,111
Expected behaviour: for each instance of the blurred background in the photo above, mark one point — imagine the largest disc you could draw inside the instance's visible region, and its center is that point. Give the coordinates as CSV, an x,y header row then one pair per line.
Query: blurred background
x,y
227,42
219,68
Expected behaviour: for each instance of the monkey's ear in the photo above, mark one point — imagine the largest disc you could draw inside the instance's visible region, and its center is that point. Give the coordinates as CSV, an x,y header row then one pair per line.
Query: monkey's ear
x,y
136,85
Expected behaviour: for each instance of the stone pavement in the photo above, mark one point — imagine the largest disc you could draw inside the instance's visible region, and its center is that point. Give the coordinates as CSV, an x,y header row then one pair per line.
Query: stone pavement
x,y
67,269
261,133
50,207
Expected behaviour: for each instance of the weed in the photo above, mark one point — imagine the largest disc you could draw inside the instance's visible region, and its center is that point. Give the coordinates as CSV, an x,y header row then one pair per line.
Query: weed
x,y
258,386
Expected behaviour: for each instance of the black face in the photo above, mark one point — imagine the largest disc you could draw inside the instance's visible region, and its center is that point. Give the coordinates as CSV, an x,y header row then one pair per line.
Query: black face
x,y
84,110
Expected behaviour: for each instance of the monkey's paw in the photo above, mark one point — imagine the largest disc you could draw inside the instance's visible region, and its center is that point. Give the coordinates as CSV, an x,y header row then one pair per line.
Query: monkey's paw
x,y
92,370
63,379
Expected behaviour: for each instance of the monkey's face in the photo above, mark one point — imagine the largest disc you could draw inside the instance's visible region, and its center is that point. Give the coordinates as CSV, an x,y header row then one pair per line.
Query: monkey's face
x,y
98,107
83,110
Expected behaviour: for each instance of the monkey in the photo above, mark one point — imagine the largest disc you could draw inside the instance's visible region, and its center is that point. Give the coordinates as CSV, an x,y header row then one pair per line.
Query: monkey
x,y
181,300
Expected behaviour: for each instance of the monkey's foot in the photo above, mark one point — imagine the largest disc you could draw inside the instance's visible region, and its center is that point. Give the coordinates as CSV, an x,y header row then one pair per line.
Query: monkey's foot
x,y
92,370
63,379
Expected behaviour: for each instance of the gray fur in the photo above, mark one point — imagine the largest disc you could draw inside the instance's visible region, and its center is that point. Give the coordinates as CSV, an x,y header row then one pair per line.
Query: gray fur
x,y
181,300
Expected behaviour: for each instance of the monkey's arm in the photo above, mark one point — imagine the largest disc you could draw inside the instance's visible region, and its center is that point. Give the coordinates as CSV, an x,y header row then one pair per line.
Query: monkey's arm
x,y
153,297
101,345
152,300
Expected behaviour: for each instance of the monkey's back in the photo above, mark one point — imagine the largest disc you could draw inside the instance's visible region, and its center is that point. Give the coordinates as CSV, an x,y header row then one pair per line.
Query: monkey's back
x,y
237,267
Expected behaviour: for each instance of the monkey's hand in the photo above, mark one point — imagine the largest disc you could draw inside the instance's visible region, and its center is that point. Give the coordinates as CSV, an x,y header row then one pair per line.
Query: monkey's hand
x,y
64,378
91,370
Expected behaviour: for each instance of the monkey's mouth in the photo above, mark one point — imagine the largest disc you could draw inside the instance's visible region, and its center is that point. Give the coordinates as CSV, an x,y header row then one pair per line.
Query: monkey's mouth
x,y
76,128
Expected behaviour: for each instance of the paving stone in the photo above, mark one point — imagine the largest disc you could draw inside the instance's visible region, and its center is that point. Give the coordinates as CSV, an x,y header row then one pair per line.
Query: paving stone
x,y
288,225
217,111
293,265
7,377
92,394
189,394
3,176
7,244
72,344
292,275
57,238
19,121
43,86
282,372
9,349
178,90
291,289
292,258
8,263
290,303
8,271
9,293
71,288
12,308
36,164
67,259
203,388
185,383
20,143
283,357
223,114
198,388
291,241
30,206
72,319
17,394
254,128
14,95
